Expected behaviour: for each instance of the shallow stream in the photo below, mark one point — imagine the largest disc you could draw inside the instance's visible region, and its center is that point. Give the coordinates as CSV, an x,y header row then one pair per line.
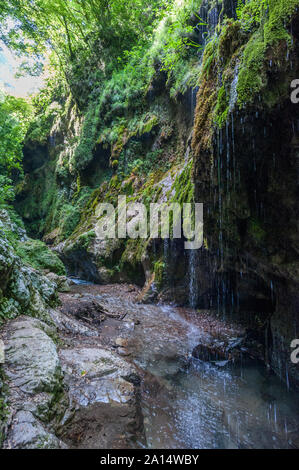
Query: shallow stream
x,y
188,403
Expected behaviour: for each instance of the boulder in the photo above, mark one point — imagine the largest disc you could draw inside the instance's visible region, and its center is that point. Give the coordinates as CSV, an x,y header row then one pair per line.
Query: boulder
x,y
23,289
102,388
26,432
35,392
32,362
62,282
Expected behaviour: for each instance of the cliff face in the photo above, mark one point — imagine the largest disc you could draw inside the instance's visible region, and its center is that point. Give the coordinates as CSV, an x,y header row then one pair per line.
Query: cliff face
x,y
246,173
23,289
230,142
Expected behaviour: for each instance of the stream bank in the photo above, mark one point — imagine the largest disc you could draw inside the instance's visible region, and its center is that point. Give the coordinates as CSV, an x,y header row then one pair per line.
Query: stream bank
x,y
113,373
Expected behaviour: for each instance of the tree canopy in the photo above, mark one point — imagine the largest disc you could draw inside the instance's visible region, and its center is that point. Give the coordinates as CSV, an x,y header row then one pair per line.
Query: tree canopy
x,y
14,120
85,35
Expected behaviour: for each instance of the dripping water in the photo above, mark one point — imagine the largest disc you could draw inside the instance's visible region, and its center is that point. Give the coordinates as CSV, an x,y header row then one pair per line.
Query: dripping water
x,y
193,283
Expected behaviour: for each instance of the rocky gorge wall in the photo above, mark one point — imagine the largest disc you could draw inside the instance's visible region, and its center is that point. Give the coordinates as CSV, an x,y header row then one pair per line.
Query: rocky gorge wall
x,y
24,289
230,141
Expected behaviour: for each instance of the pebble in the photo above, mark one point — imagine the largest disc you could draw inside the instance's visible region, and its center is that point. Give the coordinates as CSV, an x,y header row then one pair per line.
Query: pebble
x,y
122,342
123,352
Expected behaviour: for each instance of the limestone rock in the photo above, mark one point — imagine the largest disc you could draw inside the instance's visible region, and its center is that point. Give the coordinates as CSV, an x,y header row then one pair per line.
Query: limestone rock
x,y
62,282
26,432
101,387
34,385
32,362
23,289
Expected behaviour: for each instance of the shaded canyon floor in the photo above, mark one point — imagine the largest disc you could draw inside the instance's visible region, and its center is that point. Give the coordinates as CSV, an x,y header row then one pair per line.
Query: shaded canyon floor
x,y
114,373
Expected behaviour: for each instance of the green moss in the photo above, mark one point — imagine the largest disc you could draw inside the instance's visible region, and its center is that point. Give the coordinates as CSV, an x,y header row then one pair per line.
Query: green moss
x,y
184,185
39,256
222,107
271,34
159,270
209,55
252,76
69,218
256,231
84,150
148,126
280,12
65,215
131,259
230,40
84,240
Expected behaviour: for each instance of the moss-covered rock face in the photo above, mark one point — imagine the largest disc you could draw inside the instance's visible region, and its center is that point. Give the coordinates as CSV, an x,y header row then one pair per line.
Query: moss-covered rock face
x,y
244,169
36,254
266,52
22,289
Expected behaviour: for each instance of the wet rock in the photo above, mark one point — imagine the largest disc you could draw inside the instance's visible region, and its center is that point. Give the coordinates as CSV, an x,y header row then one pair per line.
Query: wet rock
x,y
32,362
208,353
62,282
106,275
71,325
221,363
2,354
130,326
26,432
22,288
219,352
95,362
6,223
87,310
104,397
122,342
150,291
33,378
235,343
176,295
123,352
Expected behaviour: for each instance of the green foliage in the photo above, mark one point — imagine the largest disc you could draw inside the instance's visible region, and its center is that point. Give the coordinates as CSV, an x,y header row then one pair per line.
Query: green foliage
x,y
89,39
85,239
270,17
250,13
83,152
7,193
210,54
40,127
108,78
178,33
15,114
39,256
14,120
144,166
146,127
66,215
